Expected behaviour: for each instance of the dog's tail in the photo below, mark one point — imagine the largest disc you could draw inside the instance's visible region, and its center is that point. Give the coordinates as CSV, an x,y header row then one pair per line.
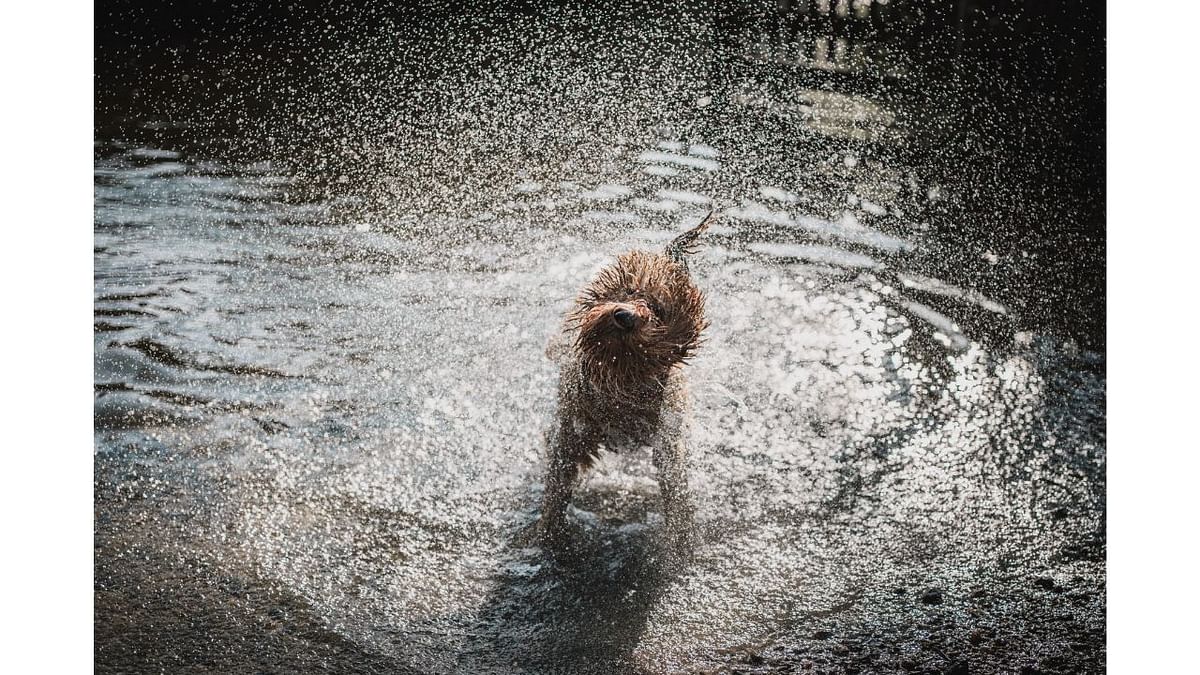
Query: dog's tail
x,y
685,244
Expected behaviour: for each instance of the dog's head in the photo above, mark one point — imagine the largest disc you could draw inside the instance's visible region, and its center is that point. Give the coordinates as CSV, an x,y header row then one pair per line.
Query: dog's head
x,y
639,317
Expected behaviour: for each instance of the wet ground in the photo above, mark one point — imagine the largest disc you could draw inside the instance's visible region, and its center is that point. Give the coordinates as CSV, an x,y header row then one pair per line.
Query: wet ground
x,y
331,247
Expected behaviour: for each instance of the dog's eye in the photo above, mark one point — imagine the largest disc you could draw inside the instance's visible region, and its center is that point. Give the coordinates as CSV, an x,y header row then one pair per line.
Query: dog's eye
x,y
655,308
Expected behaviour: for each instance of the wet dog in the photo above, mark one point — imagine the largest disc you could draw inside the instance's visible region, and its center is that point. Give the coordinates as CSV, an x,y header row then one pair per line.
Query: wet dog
x,y
622,385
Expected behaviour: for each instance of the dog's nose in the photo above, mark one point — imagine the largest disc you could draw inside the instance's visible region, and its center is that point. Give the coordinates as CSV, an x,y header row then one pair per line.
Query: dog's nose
x,y
625,318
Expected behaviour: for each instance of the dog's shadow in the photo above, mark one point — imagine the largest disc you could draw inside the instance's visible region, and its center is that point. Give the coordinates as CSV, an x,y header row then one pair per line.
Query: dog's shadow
x,y
581,610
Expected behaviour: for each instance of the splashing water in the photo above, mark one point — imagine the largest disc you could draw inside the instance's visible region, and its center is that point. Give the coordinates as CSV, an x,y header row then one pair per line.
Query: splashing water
x,y
324,290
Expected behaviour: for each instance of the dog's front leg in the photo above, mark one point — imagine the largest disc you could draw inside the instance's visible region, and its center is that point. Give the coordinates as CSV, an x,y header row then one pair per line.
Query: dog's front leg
x,y
569,451
670,460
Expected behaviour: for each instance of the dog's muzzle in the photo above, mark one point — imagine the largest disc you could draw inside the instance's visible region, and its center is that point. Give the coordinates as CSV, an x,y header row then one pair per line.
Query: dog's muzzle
x,y
625,318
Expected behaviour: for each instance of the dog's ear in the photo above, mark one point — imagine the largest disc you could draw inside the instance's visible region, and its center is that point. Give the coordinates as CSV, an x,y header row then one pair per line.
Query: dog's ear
x,y
685,332
688,349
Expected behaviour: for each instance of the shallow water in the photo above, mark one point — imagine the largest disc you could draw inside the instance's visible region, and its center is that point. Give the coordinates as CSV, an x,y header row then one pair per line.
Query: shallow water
x,y
320,325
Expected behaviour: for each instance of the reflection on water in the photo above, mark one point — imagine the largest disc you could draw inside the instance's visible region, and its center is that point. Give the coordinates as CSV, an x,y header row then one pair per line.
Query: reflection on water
x,y
321,388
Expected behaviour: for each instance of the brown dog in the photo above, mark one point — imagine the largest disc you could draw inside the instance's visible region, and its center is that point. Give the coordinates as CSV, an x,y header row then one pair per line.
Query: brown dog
x,y
621,385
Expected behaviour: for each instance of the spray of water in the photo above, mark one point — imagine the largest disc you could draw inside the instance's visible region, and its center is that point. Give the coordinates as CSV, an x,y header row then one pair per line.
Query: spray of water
x,y
324,288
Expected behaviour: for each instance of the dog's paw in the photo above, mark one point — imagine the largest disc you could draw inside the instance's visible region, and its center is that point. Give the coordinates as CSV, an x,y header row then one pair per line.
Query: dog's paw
x,y
555,536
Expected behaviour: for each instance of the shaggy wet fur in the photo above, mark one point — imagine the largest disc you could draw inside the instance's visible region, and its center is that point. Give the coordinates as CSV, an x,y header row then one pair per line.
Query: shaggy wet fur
x,y
622,386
